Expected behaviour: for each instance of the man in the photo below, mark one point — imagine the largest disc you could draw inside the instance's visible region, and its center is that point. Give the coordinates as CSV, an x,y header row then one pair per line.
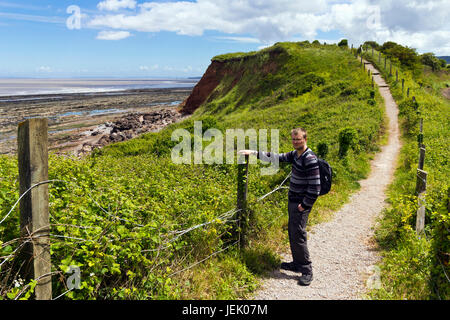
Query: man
x,y
304,188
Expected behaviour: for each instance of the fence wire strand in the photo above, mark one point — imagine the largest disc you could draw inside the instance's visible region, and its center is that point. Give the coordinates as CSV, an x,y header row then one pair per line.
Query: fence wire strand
x,y
172,236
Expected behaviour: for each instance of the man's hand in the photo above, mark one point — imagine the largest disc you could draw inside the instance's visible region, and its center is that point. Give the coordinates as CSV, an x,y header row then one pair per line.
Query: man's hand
x,y
247,152
300,208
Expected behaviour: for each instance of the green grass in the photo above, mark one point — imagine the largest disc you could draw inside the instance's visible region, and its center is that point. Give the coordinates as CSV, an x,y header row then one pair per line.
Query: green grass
x,y
320,88
414,268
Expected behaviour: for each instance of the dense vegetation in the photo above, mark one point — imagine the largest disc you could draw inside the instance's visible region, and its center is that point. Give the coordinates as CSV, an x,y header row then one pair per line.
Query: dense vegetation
x,y
141,227
417,267
407,57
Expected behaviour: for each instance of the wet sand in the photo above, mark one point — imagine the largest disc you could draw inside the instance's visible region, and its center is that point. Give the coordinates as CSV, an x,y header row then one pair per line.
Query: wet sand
x,y
72,118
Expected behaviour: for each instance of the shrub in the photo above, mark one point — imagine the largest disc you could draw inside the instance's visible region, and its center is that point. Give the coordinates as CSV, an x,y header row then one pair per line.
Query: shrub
x,y
349,91
348,137
429,59
372,44
322,150
408,57
409,110
343,43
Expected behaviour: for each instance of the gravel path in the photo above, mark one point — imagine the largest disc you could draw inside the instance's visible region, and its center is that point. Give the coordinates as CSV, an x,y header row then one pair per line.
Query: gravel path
x,y
342,251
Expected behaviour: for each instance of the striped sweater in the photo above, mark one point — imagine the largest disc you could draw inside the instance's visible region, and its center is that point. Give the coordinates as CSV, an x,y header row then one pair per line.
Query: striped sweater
x,y
304,184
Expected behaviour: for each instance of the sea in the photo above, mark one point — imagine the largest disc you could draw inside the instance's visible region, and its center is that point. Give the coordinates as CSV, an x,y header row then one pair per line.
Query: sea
x,y
18,89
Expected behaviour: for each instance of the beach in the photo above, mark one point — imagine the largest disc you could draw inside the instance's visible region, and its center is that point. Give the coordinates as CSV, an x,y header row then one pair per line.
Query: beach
x,y
78,121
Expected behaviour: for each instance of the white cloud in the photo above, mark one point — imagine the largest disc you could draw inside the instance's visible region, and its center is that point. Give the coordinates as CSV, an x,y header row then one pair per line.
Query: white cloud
x,y
30,17
113,35
421,24
240,39
114,5
188,69
147,68
46,69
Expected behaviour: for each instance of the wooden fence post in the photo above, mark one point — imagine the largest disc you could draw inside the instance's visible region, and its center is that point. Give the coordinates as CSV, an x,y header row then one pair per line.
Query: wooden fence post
x,y
407,93
242,214
420,136
421,183
421,157
34,217
448,199
421,187
420,218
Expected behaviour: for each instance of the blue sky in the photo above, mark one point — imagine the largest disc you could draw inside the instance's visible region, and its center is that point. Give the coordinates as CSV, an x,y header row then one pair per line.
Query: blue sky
x,y
134,38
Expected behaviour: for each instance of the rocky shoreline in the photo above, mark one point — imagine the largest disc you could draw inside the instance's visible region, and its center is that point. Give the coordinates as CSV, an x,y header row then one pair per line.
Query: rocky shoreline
x,y
125,128
78,123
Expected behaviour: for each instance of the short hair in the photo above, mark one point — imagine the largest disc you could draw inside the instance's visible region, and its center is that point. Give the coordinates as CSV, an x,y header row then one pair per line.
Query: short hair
x,y
296,131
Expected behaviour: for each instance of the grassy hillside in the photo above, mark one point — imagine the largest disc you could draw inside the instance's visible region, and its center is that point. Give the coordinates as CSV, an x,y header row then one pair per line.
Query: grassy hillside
x,y
141,227
418,268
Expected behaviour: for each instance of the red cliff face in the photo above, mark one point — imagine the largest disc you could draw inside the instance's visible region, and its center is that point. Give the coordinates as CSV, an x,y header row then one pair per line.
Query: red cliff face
x,y
216,71
204,87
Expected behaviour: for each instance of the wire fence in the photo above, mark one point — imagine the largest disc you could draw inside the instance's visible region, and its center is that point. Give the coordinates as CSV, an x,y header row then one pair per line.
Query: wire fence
x,y
168,238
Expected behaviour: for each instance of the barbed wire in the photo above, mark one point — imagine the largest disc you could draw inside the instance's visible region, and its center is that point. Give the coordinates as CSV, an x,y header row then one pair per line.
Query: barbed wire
x,y
276,189
172,236
63,294
203,260
28,190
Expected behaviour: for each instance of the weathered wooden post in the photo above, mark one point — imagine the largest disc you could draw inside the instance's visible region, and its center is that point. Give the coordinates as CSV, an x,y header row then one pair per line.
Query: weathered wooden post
x,y
420,136
407,93
403,84
421,157
420,218
421,183
448,199
34,218
421,187
242,214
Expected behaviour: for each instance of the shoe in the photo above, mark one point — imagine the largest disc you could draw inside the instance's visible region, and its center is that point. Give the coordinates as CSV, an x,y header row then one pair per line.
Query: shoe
x,y
289,266
305,279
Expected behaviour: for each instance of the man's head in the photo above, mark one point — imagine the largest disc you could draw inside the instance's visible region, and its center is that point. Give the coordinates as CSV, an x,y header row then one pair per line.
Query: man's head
x,y
299,138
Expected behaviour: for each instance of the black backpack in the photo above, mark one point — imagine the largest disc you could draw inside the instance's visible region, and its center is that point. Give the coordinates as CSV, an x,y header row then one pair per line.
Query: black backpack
x,y
326,174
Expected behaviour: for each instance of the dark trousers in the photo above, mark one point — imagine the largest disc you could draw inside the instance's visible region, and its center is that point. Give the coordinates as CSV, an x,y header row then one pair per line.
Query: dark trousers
x,y
297,237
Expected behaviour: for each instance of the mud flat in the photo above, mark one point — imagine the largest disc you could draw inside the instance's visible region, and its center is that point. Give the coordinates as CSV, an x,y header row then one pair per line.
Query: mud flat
x,y
80,122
